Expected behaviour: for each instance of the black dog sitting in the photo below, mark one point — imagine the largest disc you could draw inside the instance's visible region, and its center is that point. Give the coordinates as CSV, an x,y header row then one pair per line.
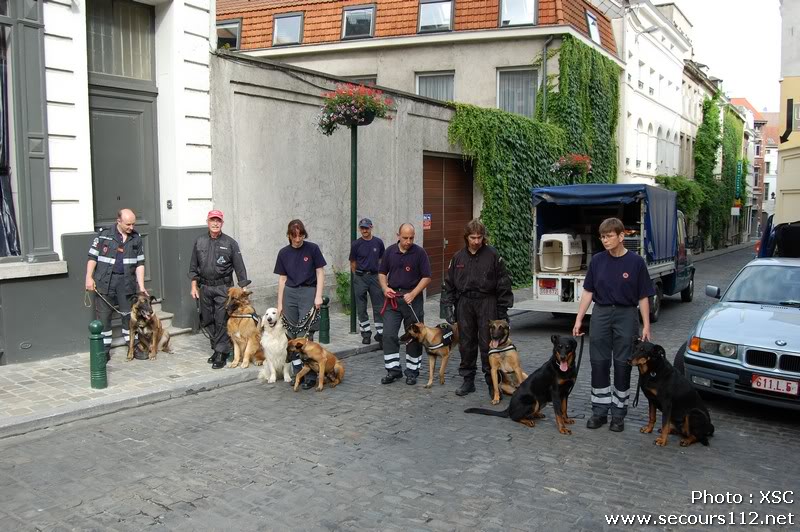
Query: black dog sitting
x,y
682,409
552,382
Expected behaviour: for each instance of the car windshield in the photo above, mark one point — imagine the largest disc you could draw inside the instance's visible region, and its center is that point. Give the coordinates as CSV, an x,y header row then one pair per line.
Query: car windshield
x,y
766,285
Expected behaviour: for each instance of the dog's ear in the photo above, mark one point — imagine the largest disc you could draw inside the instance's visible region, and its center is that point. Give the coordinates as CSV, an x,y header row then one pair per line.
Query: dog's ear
x,y
152,299
636,340
660,351
132,298
554,339
573,344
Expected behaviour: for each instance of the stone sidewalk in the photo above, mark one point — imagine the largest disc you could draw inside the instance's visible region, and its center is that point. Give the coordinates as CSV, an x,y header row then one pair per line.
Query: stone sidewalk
x,y
51,392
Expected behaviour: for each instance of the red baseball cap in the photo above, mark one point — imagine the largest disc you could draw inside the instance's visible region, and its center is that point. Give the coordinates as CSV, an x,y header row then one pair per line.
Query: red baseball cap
x,y
215,214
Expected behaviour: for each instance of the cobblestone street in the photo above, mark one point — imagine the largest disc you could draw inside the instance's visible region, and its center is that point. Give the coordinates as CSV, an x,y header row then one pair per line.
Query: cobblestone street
x,y
366,456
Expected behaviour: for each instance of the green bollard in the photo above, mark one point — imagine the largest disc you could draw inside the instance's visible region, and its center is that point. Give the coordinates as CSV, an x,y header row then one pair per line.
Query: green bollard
x,y
324,322
97,356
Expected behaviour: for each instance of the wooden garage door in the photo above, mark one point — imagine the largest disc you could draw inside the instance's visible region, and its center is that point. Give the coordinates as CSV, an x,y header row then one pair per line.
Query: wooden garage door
x,y
447,201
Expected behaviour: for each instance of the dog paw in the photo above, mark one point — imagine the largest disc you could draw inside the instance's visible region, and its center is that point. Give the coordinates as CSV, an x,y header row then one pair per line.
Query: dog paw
x,y
565,430
319,388
151,358
495,401
441,381
259,362
245,365
295,388
569,421
646,430
233,364
660,442
272,380
429,385
286,379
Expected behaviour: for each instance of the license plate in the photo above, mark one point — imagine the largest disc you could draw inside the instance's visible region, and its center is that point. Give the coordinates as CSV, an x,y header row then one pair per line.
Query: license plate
x,y
548,291
771,384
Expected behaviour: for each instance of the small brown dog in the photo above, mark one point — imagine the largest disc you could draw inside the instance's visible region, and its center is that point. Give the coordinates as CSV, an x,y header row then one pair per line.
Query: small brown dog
x,y
243,328
434,340
315,358
503,356
147,335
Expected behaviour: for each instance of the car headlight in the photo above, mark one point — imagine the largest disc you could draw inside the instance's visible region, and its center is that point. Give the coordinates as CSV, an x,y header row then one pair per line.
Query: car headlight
x,y
711,347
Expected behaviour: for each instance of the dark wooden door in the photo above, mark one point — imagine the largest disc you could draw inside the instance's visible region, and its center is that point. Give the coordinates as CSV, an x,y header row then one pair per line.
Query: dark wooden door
x,y
124,168
447,203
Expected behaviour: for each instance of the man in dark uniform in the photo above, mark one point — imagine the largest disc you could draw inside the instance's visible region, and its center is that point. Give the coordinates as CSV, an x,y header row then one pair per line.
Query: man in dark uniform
x,y
479,287
365,257
618,282
114,270
404,273
215,257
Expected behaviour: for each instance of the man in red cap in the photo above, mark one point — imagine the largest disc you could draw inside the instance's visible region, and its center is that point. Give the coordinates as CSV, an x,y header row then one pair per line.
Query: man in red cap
x,y
215,258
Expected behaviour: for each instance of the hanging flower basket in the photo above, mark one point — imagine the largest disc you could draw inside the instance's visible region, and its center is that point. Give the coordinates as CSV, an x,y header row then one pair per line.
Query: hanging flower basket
x,y
573,167
353,105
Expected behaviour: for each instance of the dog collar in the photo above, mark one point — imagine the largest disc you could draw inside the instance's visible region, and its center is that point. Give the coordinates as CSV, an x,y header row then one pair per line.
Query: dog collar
x,y
255,317
509,347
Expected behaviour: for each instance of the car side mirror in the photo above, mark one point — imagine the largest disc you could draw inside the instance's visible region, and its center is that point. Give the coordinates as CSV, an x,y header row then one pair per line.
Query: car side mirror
x,y
712,291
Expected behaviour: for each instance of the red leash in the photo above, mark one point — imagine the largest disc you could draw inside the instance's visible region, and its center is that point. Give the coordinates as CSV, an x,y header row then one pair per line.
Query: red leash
x,y
391,301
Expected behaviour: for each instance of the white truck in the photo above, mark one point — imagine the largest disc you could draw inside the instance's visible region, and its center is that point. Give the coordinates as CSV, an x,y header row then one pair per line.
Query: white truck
x,y
565,236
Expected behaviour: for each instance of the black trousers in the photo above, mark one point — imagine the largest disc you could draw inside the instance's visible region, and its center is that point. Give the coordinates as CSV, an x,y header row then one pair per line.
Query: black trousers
x,y
611,335
214,317
119,291
473,316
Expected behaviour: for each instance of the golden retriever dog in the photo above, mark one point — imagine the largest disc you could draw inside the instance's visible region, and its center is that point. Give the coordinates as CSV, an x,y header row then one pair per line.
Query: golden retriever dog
x,y
317,359
243,328
274,342
147,335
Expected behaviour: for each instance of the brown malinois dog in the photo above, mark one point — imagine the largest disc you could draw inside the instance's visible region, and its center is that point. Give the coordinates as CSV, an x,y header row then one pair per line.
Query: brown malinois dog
x,y
317,359
436,342
147,335
504,365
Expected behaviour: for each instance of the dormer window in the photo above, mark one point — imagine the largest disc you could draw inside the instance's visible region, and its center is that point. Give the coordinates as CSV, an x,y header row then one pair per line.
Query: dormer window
x,y
287,28
517,12
594,29
358,22
228,34
435,15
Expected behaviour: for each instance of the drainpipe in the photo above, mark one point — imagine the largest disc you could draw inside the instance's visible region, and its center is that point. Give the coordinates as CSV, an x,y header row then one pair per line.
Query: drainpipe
x,y
544,78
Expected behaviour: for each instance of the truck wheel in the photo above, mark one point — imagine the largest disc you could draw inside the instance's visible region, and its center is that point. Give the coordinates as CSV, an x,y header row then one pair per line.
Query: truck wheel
x,y
655,303
679,363
687,294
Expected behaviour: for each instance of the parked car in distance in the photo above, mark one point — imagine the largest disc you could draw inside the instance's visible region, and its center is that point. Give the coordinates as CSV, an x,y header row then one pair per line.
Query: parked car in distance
x,y
748,344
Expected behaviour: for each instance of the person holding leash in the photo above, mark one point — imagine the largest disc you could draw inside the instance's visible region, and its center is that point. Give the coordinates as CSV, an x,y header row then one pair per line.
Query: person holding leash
x,y
215,258
404,273
114,270
300,267
365,257
477,289
617,281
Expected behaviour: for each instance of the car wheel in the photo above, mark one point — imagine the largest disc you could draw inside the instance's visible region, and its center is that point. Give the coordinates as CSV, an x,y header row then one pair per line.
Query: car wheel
x,y
679,362
655,304
687,294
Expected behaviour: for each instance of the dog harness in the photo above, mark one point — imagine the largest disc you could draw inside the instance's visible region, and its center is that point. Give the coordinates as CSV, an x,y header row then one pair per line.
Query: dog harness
x,y
509,347
447,337
252,316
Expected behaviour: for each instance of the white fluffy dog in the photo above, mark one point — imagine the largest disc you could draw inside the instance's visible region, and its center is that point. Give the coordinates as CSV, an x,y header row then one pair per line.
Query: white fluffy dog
x,y
274,342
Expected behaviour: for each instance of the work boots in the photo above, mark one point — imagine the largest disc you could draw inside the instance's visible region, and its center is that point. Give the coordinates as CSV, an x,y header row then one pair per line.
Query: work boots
x,y
467,387
219,360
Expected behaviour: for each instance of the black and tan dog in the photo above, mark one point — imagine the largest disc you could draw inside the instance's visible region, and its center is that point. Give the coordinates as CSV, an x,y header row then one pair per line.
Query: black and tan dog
x,y
437,344
504,366
552,382
147,335
317,359
243,328
682,409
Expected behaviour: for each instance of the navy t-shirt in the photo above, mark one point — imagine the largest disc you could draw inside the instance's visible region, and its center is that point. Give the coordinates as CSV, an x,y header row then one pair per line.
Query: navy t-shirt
x,y
618,280
404,271
299,265
367,254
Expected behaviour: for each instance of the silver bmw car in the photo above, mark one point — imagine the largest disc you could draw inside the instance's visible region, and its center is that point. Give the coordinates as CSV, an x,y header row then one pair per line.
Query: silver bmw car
x,y
748,345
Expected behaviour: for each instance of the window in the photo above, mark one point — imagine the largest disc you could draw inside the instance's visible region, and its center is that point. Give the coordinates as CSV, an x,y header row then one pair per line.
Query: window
x,y
358,22
287,29
766,190
516,12
121,39
594,29
364,80
758,150
516,91
435,15
756,172
228,34
437,86
768,165
9,232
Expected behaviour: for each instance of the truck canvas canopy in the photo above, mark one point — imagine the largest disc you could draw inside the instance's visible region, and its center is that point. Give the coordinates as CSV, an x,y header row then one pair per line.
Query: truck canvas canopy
x,y
660,213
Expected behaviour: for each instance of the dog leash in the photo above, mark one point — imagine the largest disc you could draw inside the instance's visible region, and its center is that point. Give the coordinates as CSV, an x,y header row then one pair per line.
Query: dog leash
x,y
87,302
305,324
392,302
200,320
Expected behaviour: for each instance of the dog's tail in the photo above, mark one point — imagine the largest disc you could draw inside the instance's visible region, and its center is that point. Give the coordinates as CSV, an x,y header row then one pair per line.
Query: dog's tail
x,y
487,412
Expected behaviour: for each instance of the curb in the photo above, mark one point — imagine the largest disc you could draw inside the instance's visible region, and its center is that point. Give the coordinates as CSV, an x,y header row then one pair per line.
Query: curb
x,y
99,407
723,251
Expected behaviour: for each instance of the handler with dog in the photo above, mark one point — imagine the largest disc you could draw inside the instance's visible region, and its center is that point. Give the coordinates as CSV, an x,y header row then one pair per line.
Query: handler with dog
x,y
300,267
114,269
477,289
365,257
215,257
404,273
617,281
